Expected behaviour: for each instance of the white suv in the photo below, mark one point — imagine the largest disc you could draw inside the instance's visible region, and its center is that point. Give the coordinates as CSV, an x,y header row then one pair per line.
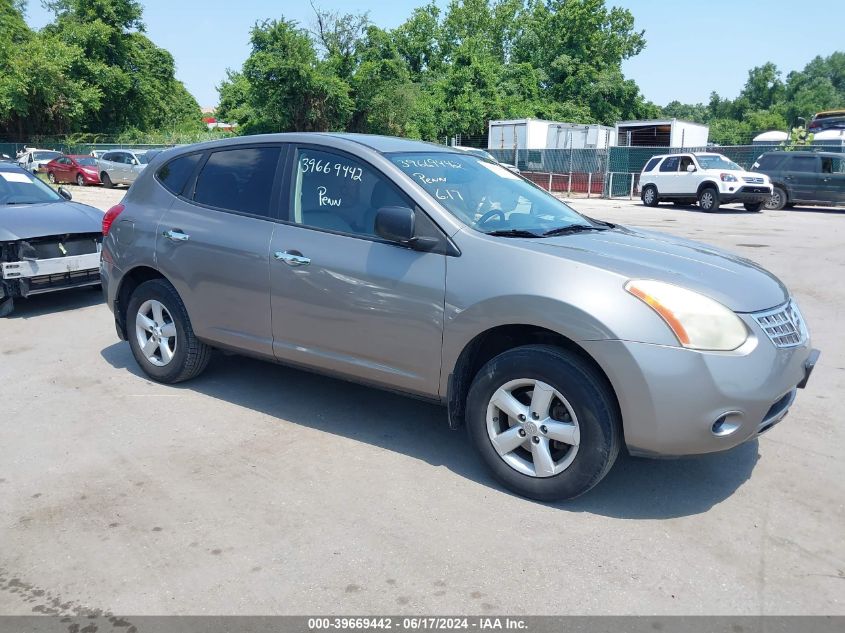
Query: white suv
x,y
709,179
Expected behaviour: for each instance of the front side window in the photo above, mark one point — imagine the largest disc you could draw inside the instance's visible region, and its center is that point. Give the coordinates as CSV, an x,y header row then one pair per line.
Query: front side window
x,y
670,164
238,180
686,162
487,196
339,193
833,165
804,164
23,188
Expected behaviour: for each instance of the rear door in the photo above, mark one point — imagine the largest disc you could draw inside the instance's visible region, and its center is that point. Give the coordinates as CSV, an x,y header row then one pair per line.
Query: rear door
x,y
345,300
803,178
214,243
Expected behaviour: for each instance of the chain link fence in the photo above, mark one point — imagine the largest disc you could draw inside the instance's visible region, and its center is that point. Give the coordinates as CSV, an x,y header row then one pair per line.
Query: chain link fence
x,y
614,172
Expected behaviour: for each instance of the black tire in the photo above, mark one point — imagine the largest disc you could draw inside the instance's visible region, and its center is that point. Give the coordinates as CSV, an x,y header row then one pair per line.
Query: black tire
x,y
80,181
51,177
107,183
7,306
708,199
778,199
190,356
753,206
649,196
591,399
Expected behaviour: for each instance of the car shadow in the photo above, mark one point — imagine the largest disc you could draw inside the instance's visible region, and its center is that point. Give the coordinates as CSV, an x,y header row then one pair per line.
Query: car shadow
x,y
634,489
53,302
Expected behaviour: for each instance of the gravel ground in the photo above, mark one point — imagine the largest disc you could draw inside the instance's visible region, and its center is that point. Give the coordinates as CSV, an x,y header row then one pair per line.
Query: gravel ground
x,y
258,489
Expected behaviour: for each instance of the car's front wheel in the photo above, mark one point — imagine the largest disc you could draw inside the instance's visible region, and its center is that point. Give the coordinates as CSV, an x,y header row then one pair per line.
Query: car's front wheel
x,y
161,336
544,421
51,177
708,199
80,180
777,200
649,196
107,183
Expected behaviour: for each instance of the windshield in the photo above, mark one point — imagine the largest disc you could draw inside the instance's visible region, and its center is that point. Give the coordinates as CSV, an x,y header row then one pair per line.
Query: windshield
x,y
717,161
87,161
22,188
45,155
486,196
144,158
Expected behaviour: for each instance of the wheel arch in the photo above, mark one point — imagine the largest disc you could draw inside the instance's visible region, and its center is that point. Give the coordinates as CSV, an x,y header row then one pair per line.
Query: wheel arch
x,y
783,188
705,184
128,283
494,341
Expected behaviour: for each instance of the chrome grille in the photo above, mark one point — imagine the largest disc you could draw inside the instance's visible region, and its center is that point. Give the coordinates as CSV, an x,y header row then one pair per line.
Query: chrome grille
x,y
784,325
754,180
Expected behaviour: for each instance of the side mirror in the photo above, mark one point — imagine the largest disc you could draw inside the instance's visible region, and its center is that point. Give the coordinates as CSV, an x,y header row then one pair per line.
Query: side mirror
x,y
690,168
64,193
396,224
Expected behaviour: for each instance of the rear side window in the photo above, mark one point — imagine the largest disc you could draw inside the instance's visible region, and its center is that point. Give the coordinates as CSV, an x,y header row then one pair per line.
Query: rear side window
x,y
650,164
238,180
803,164
670,164
769,162
174,175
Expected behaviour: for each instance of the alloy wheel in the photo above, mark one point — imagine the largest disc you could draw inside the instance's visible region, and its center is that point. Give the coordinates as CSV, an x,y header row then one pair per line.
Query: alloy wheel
x,y
533,428
773,201
156,333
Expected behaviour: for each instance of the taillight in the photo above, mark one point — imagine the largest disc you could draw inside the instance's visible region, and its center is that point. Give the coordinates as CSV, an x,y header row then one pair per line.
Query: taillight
x,y
110,217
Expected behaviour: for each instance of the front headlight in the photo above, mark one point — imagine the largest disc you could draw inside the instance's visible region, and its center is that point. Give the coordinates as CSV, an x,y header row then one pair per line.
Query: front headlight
x,y
728,177
698,322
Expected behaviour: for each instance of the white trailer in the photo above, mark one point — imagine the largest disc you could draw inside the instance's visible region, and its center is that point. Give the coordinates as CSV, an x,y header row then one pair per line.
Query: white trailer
x,y
518,134
661,133
579,136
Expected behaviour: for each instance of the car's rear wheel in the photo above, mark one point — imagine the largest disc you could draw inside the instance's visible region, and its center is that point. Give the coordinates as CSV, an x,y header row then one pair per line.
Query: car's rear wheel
x,y
777,200
753,206
51,177
80,181
708,199
161,336
107,183
649,196
544,421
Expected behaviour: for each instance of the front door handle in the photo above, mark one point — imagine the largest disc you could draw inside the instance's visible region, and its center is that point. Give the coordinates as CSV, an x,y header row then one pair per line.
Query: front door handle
x,y
175,235
292,258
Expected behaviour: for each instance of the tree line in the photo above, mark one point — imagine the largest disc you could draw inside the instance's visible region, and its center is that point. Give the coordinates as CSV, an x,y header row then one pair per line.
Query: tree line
x,y
91,69
440,73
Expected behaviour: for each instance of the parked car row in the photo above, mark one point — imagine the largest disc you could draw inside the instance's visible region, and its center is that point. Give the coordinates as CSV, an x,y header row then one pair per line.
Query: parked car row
x,y
776,180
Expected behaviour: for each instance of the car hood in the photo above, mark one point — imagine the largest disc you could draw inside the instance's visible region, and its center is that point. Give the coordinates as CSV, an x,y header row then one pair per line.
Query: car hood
x,y
737,283
23,221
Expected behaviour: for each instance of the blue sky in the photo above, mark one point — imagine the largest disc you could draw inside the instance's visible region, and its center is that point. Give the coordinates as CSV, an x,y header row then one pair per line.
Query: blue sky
x,y
693,47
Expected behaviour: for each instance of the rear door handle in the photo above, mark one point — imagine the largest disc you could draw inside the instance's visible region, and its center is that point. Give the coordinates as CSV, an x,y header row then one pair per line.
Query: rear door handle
x,y
175,235
292,258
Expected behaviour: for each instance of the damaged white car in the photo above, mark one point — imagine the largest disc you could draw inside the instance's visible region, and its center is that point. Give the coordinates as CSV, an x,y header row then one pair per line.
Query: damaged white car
x,y
47,242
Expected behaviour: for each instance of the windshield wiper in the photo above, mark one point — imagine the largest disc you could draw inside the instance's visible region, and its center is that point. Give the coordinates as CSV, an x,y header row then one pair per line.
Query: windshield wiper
x,y
512,233
572,228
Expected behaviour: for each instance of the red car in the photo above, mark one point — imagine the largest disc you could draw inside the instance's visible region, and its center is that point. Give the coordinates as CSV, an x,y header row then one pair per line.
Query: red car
x,y
82,170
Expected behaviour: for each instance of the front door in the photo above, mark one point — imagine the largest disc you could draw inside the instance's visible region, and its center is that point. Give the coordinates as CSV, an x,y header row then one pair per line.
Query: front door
x,y
213,244
803,177
833,179
344,300
62,170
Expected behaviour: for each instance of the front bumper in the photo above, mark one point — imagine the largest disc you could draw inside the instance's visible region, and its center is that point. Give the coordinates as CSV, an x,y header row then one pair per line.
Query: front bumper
x,y
676,401
746,193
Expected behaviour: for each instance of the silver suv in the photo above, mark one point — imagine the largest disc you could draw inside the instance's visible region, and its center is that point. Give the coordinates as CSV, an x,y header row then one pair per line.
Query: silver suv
x,y
552,337
122,167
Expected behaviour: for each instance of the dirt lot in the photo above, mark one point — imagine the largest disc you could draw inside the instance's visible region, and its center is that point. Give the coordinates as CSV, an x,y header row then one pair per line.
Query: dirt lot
x,y
258,489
